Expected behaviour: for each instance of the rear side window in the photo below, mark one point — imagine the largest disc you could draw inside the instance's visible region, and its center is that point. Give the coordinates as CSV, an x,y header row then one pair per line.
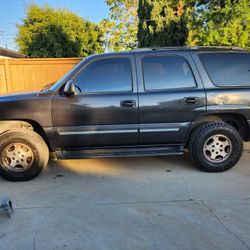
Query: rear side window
x,y
167,72
227,68
106,75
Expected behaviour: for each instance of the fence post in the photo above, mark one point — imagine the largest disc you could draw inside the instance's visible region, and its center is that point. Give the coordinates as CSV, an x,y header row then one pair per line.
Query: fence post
x,y
7,74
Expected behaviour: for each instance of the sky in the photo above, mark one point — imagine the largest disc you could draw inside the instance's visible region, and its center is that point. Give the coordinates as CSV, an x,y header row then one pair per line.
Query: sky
x,y
13,11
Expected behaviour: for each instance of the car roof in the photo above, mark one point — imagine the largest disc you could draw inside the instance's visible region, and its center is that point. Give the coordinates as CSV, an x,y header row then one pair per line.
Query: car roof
x,y
177,48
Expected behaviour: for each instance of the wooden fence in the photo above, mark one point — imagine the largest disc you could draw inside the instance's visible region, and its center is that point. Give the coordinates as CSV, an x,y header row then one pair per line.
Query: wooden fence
x,y
32,74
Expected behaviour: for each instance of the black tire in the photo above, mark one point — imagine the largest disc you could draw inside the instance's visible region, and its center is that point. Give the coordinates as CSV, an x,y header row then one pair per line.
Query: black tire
x,y
36,147
200,137
192,139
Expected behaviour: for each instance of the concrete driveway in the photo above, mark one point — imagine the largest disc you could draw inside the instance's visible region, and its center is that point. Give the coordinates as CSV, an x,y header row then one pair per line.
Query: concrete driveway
x,y
135,203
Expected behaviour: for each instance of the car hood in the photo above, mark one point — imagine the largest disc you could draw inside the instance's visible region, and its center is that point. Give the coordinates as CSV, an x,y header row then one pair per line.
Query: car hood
x,y
20,95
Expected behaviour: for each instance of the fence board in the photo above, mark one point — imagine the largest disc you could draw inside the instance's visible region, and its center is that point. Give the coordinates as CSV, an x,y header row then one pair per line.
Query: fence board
x,y
32,74
3,85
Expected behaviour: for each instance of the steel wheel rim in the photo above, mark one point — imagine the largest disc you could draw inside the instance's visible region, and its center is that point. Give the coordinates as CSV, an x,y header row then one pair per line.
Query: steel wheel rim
x,y
217,148
17,157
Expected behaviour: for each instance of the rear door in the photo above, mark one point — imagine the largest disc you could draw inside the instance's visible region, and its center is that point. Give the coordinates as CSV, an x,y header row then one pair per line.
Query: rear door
x,y
171,96
105,112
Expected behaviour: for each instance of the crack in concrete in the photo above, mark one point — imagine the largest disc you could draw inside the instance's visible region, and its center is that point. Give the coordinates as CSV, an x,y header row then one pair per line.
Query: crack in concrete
x,y
224,225
187,187
128,203
34,243
104,204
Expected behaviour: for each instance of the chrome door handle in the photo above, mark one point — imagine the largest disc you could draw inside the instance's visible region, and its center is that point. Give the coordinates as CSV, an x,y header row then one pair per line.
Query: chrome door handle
x,y
191,100
128,103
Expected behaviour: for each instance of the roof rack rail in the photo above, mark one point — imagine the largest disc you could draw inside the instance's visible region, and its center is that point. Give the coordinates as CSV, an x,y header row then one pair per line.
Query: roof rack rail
x,y
161,48
190,48
216,48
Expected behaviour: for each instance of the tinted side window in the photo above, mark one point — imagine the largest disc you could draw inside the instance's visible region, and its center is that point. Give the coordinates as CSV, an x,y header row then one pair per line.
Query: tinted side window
x,y
106,75
167,72
227,68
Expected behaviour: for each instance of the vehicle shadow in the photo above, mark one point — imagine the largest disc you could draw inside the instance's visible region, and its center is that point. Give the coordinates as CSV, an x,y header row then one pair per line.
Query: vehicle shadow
x,y
119,166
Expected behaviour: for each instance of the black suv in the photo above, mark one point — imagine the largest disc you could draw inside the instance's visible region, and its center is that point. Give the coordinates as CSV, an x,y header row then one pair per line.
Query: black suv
x,y
147,102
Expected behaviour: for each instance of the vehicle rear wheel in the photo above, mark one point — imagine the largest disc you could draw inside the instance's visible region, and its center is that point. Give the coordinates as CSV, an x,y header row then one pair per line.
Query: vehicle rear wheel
x,y
215,146
23,155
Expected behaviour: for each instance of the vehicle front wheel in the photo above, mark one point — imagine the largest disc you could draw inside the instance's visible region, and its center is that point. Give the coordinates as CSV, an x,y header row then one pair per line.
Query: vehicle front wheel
x,y
23,155
215,146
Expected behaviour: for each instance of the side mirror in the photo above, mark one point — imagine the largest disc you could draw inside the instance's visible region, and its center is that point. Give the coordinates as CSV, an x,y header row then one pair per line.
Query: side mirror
x,y
69,88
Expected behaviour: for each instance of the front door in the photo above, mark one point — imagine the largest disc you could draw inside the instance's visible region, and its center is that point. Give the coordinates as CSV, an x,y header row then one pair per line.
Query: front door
x,y
171,95
105,112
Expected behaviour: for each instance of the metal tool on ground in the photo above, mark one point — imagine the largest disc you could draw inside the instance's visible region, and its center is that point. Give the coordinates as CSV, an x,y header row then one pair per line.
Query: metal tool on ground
x,y
6,205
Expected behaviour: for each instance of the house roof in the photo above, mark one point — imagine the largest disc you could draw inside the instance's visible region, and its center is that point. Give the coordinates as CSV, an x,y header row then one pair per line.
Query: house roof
x,y
11,53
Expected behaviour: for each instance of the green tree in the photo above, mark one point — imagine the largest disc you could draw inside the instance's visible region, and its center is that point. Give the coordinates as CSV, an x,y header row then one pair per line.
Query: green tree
x,y
122,25
49,32
217,22
163,23
194,22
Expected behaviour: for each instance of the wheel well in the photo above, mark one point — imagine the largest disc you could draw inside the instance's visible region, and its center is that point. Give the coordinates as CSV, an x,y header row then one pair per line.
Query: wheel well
x,y
239,122
29,124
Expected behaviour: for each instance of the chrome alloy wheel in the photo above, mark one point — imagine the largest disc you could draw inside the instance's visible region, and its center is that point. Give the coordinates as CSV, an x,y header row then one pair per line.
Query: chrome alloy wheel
x,y
17,157
217,148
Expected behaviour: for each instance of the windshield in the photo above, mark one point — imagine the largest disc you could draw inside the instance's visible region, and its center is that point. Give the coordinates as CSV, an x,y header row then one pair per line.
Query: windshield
x,y
66,77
